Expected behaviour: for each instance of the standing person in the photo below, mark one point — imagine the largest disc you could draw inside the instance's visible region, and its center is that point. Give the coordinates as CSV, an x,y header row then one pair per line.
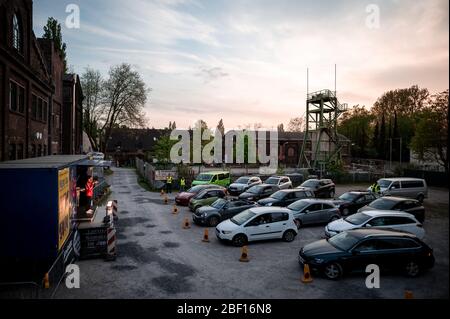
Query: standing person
x,y
169,184
90,192
182,184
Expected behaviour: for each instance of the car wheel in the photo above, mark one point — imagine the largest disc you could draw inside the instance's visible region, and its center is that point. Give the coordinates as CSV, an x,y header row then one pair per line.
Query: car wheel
x,y
239,240
333,271
345,211
213,221
412,269
334,218
420,198
288,236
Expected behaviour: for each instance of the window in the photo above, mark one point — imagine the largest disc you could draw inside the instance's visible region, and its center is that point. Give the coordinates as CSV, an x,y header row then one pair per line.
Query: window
x,y
45,109
412,184
380,221
314,207
39,110
19,151
221,177
395,185
17,34
21,100
12,152
34,107
13,96
279,217
45,150
326,206
39,150
367,245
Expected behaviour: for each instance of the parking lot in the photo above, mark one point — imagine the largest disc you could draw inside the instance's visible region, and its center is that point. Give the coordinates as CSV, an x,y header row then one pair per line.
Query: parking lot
x,y
159,259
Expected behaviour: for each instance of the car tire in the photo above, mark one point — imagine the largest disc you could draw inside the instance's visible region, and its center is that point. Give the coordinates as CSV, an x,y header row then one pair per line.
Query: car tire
x,y
213,221
420,198
345,212
333,271
289,236
239,240
412,269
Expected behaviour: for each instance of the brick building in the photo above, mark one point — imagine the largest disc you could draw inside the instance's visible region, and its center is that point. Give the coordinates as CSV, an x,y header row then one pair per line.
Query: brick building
x,y
73,112
31,87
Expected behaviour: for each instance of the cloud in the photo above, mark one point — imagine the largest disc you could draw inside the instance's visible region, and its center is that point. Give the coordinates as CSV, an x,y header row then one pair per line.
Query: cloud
x,y
211,74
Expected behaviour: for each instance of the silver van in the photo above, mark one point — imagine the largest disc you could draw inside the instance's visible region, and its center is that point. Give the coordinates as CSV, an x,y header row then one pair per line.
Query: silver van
x,y
404,187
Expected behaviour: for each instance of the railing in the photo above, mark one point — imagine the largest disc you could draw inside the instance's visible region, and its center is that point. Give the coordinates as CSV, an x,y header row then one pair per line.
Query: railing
x,y
322,93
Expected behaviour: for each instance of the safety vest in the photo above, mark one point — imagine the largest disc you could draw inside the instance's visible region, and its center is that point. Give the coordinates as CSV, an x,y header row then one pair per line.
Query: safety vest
x,y
169,180
182,182
89,189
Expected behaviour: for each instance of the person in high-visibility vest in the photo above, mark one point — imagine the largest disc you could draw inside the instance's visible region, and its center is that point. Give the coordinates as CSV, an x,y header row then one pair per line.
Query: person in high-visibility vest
x,y
375,188
182,184
169,184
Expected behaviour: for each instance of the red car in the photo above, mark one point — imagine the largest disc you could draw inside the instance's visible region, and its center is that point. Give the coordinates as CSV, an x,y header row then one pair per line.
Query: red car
x,y
183,198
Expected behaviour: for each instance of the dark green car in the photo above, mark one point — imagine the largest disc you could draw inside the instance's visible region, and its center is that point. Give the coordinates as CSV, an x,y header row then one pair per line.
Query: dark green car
x,y
206,197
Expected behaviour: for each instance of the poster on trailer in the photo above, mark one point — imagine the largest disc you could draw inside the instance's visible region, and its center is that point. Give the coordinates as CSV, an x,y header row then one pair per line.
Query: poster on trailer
x,y
63,206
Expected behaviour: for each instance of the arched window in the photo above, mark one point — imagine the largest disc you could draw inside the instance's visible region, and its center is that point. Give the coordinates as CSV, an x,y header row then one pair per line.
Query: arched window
x,y
17,33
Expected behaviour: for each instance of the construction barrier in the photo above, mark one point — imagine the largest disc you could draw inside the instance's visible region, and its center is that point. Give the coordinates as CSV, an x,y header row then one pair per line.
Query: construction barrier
x,y
111,239
306,274
111,209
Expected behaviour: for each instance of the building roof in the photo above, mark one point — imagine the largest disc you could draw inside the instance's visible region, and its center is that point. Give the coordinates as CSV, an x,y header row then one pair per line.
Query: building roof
x,y
54,161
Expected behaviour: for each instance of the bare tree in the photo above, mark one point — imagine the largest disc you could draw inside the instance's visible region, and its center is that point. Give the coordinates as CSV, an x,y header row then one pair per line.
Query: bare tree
x,y
125,95
296,124
92,84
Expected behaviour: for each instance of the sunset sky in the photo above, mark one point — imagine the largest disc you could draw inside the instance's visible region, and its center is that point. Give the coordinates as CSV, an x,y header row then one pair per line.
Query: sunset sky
x,y
245,61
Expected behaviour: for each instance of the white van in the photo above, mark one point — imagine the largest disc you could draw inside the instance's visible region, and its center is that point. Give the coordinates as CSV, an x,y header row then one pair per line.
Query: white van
x,y
404,187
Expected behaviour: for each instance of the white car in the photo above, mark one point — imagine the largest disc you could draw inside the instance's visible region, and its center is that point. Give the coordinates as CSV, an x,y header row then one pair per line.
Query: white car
x,y
258,223
283,182
377,218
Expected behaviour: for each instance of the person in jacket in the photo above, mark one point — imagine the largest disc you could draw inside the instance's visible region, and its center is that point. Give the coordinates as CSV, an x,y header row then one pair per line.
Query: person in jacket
x,y
169,184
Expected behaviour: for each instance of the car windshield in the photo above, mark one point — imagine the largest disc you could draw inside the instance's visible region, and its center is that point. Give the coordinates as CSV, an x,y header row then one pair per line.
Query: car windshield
x,y
203,177
382,204
255,189
298,205
219,203
309,184
278,195
272,181
241,218
384,183
242,180
343,241
348,197
357,219
201,194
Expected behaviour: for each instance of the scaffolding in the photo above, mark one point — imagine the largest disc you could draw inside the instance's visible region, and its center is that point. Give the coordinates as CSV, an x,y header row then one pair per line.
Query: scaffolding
x,y
321,145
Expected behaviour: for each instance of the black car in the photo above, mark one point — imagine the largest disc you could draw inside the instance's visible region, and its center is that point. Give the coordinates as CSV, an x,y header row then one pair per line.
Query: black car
x,y
349,203
412,206
285,197
322,188
258,192
354,250
220,210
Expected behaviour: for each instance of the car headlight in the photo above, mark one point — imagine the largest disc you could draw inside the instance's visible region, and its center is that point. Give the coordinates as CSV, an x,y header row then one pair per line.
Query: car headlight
x,y
226,232
318,260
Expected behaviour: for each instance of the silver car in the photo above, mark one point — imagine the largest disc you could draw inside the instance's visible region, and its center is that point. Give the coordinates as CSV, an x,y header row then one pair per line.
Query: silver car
x,y
409,187
283,182
243,183
314,211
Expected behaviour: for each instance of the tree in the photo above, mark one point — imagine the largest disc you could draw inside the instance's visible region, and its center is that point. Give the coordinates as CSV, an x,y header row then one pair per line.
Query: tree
x,y
125,95
221,127
52,31
382,142
430,141
376,137
162,149
280,127
296,124
92,83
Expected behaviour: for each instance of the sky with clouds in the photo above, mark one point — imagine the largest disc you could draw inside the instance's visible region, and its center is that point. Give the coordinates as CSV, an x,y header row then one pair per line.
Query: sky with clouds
x,y
246,60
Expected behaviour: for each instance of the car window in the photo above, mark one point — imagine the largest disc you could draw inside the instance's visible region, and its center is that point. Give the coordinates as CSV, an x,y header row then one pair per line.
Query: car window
x,y
369,197
221,194
314,207
412,184
327,206
382,204
409,205
279,217
395,185
262,219
360,200
395,220
397,243
214,179
221,176
367,245
226,176
291,196
377,221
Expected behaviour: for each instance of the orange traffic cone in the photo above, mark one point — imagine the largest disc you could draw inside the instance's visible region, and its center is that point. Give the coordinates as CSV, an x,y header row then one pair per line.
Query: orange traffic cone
x,y
166,200
162,192
46,281
244,255
186,224
409,294
175,209
306,274
206,236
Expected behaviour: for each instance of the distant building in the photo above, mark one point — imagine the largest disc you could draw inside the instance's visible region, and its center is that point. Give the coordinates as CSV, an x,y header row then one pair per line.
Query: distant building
x,y
31,88
73,115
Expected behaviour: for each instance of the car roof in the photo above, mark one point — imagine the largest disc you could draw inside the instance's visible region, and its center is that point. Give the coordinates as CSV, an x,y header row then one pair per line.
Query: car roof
x,y
377,213
396,179
358,192
215,172
317,200
291,190
378,232
264,184
265,209
397,199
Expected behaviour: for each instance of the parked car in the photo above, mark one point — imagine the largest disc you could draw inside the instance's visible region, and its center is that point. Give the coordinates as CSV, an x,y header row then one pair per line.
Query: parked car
x,y
220,210
349,203
283,182
285,197
206,197
258,192
217,178
353,250
377,218
243,183
259,223
314,211
322,188
408,187
183,198
411,206
96,156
